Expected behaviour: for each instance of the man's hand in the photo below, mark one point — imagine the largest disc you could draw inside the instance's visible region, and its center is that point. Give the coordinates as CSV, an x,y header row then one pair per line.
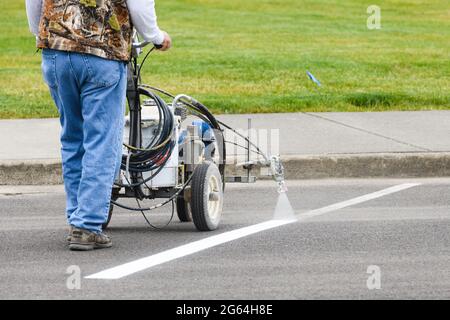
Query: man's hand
x,y
167,43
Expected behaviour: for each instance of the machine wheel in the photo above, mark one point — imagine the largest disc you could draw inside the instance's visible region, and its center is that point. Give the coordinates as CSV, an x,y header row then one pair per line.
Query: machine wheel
x,y
206,197
105,225
114,197
184,210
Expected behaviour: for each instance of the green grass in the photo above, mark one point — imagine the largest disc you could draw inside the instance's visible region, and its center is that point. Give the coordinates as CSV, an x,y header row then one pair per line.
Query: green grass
x,y
241,56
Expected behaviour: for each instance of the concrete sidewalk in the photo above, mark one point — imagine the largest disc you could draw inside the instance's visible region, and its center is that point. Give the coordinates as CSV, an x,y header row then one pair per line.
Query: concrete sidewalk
x,y
314,145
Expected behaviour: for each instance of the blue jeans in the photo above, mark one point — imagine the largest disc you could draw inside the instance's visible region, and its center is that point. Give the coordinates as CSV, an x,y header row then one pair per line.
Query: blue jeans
x,y
89,93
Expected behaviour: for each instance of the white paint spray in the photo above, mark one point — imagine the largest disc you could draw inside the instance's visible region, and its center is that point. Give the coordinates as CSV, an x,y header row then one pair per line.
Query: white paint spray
x,y
283,209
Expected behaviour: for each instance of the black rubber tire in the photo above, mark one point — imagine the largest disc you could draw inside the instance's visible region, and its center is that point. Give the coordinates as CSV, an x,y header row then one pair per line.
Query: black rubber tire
x,y
105,225
199,197
183,210
114,197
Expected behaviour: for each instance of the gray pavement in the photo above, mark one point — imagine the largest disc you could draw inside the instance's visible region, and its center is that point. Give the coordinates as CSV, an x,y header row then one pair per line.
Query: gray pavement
x,y
300,133
406,234
315,145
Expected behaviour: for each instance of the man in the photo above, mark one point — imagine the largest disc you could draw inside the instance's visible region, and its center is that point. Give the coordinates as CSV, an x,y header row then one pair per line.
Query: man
x,y
85,48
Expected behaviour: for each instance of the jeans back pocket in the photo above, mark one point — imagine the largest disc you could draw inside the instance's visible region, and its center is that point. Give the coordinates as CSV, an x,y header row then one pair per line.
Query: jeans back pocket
x,y
102,72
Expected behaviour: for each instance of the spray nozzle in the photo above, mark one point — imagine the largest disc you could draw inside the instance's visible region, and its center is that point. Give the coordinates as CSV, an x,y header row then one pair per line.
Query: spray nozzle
x,y
278,173
276,169
282,187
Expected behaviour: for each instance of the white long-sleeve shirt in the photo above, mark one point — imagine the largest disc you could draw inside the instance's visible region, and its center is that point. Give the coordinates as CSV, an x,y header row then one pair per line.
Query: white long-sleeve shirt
x,y
142,14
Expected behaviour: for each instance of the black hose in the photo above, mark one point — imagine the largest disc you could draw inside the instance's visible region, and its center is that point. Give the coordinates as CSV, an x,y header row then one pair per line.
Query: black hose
x,y
152,156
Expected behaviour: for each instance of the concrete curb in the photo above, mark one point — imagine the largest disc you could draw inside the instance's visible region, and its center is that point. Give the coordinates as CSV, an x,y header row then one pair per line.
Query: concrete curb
x,y
392,165
30,172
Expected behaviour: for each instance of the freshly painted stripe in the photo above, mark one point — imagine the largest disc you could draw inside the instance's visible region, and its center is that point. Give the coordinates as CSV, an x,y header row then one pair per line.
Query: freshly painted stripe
x,y
352,202
185,250
200,245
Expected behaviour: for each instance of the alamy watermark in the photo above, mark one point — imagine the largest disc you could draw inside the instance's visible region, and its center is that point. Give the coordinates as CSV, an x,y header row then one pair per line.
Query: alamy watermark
x,y
374,280
73,281
374,19
254,145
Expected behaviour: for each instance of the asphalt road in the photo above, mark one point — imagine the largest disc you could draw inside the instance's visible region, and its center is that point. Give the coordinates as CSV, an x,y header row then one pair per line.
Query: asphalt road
x,y
405,235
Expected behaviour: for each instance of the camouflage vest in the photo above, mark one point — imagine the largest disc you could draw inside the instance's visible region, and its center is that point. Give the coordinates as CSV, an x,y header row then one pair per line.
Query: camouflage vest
x,y
99,27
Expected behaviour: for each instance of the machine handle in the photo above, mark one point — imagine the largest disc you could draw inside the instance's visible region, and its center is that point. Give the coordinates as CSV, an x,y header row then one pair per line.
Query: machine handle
x,y
140,45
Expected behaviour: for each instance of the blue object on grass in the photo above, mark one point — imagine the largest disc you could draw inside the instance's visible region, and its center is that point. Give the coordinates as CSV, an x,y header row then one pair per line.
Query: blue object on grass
x,y
313,79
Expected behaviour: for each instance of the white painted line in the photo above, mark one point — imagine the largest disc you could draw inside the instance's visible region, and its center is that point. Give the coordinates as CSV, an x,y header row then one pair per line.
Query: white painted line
x,y
200,245
358,200
185,250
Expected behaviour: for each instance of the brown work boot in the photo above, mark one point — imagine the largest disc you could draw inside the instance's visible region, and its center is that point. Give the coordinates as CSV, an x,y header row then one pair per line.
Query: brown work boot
x,y
84,240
